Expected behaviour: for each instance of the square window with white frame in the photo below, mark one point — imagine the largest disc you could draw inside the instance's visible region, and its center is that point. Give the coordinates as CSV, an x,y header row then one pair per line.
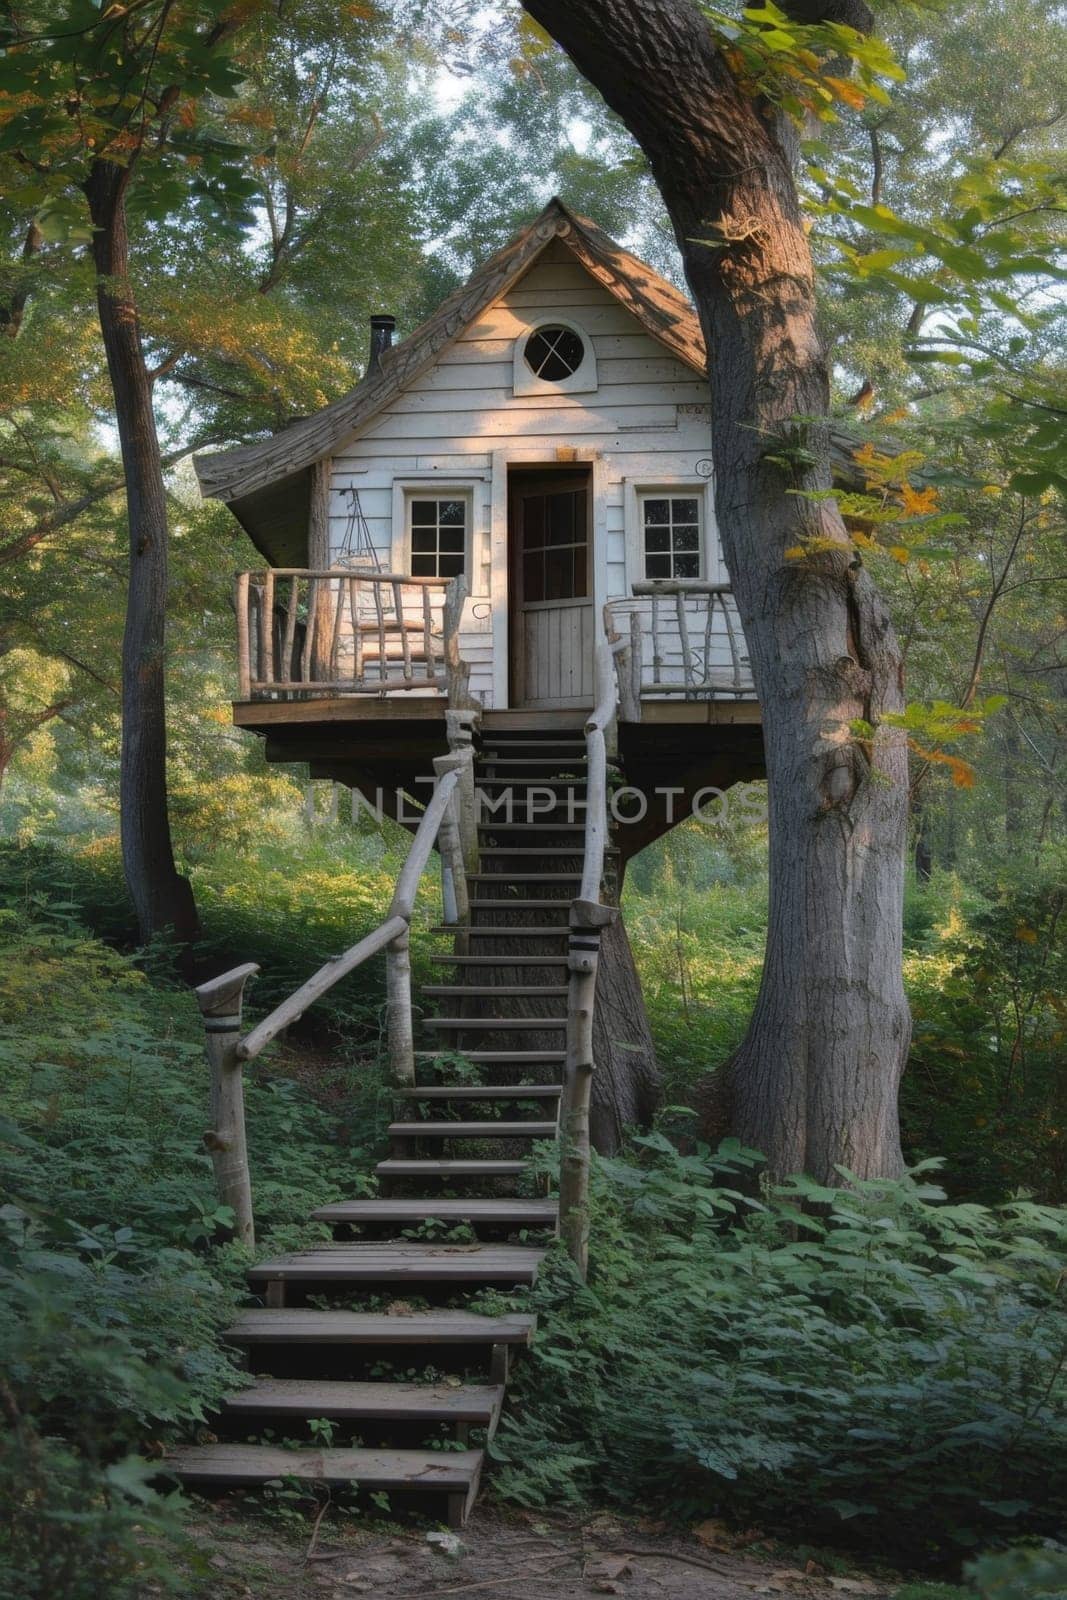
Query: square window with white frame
x,y
671,535
437,534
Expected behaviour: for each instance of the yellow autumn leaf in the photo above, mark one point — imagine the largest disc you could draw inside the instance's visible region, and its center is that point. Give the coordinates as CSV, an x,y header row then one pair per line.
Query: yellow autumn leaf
x,y
901,553
918,502
850,93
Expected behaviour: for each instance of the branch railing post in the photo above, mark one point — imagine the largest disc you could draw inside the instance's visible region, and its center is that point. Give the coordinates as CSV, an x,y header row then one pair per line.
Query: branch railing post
x,y
457,671
399,1019
686,668
455,897
398,1006
587,918
390,651
460,726
220,1003
244,645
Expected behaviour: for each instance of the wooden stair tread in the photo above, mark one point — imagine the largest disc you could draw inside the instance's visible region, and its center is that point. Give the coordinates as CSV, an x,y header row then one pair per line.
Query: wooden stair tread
x,y
503,991
512,876
486,780
519,1212
531,850
472,1130
516,1058
519,903
449,1470
446,958
500,826
451,1169
305,1325
356,1263
550,1024
313,1397
552,931
483,1091
496,740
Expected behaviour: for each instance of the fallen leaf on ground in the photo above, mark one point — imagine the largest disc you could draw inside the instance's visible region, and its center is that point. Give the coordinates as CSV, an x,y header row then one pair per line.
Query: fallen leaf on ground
x,y
603,1523
608,1566
713,1533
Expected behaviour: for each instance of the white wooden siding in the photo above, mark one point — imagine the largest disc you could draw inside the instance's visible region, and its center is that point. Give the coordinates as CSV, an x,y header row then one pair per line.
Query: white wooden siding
x,y
646,424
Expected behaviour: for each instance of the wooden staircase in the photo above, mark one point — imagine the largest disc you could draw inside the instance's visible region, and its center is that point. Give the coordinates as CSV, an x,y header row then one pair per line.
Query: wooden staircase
x,y
370,1334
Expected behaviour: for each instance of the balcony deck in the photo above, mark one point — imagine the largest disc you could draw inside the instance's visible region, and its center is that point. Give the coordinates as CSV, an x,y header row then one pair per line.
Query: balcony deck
x,y
354,674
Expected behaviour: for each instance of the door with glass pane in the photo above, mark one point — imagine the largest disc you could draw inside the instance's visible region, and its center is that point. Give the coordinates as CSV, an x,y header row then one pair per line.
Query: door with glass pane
x,y
551,589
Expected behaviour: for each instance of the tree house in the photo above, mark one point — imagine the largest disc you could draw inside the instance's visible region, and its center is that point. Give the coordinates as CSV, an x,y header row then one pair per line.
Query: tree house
x,y
526,473
494,564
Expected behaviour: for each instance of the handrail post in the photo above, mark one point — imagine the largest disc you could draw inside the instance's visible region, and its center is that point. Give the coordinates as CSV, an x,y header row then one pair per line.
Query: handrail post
x,y
400,1030
587,918
455,896
457,671
399,1019
220,1003
244,646
460,726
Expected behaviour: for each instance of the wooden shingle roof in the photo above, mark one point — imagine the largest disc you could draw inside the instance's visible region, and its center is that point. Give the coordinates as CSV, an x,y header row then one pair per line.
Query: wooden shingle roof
x,y
244,474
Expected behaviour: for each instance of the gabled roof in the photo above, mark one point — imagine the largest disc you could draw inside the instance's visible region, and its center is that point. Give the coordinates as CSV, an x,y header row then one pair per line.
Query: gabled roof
x,y
242,475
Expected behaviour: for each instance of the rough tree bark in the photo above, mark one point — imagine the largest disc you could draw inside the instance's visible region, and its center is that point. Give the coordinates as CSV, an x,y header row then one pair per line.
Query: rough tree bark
x,y
162,897
626,1083
815,1081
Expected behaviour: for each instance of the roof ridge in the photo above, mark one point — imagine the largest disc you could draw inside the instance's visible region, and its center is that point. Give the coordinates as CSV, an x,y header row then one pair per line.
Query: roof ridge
x,y
664,311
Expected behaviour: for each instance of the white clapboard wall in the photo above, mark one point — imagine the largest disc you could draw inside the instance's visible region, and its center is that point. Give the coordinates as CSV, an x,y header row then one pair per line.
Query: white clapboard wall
x,y
647,420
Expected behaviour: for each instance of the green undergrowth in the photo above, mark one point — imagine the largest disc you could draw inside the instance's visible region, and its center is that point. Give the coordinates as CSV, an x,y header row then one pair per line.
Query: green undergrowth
x,y
115,1271
985,970
874,1368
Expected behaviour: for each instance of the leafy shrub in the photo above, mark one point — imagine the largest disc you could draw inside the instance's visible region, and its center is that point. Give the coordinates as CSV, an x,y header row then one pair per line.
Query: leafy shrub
x,y
108,1073
985,1085
1022,1574
887,1368
105,1343
115,1277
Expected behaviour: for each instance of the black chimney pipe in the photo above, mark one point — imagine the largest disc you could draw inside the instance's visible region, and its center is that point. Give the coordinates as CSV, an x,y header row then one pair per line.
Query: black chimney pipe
x,y
381,338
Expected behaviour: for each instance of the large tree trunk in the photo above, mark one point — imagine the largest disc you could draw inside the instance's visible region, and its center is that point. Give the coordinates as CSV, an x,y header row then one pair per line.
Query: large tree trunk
x,y
162,897
815,1081
626,1083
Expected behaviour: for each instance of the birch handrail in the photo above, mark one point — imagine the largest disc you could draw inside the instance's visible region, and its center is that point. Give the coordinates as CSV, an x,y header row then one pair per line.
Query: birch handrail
x,y
220,999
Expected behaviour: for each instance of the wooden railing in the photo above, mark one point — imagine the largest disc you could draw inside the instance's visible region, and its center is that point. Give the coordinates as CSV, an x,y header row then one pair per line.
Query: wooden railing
x,y
302,632
679,639
588,917
444,823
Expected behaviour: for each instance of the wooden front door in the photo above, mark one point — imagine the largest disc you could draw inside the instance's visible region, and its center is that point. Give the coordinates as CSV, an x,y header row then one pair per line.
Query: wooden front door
x,y
551,589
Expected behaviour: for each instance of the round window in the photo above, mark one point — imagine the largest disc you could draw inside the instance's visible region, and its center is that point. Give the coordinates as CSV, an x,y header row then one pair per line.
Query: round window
x,y
554,353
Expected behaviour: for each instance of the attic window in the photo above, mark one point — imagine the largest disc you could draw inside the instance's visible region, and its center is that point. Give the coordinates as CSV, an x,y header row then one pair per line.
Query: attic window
x,y
554,358
554,353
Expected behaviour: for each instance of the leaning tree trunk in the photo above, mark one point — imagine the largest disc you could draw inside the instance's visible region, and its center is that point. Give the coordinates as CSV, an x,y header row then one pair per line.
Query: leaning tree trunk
x,y
626,1083
814,1083
162,897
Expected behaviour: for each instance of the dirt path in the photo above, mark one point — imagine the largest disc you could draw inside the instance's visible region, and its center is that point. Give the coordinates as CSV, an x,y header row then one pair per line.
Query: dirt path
x,y
513,1557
